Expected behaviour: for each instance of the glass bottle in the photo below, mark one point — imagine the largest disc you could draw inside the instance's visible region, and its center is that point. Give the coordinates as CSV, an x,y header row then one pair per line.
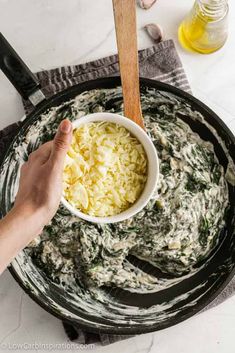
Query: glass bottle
x,y
205,28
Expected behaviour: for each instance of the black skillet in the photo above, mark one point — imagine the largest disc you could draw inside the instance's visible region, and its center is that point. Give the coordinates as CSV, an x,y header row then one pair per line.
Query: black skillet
x,y
205,285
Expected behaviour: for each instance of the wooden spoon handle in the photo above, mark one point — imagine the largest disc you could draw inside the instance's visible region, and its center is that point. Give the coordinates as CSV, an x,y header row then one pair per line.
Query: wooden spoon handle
x,y
125,23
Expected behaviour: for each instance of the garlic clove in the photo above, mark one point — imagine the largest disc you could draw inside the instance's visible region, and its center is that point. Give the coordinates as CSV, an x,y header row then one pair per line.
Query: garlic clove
x,y
155,32
146,4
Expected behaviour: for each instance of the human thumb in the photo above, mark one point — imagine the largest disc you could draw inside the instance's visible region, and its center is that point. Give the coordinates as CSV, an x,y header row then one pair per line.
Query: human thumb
x,y
61,142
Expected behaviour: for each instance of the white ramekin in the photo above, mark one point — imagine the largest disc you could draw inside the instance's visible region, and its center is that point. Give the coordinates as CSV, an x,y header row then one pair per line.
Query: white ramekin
x,y
153,167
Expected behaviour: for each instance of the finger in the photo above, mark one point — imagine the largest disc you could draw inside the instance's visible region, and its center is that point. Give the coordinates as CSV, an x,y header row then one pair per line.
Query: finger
x,y
61,142
23,170
42,153
24,167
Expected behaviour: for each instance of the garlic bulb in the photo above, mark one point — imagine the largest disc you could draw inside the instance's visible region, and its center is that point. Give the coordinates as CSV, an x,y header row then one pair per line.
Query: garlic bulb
x,y
146,4
155,32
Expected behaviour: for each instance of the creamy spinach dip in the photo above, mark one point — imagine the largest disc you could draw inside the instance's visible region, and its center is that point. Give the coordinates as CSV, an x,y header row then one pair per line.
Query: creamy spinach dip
x,y
174,233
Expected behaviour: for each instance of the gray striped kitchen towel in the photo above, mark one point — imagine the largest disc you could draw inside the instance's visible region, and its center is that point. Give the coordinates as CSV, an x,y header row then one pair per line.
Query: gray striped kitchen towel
x,y
160,62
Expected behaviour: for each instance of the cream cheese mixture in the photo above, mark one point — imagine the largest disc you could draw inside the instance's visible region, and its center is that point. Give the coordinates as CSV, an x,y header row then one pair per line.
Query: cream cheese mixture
x,y
176,230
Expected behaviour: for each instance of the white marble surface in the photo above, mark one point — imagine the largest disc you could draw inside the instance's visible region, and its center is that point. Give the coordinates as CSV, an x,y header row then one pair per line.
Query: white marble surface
x,y
50,33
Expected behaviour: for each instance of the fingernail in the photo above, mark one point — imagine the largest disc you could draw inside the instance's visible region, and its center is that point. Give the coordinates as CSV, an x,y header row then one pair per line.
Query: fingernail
x,y
65,126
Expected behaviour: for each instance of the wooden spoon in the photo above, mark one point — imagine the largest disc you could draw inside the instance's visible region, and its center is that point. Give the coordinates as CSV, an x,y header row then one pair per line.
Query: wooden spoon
x,y
125,23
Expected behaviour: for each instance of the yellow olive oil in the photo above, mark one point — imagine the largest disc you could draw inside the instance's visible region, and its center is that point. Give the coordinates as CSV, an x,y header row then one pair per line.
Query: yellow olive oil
x,y
204,29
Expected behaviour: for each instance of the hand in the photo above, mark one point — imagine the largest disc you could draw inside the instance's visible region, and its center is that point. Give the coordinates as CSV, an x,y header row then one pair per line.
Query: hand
x,y
38,196
40,185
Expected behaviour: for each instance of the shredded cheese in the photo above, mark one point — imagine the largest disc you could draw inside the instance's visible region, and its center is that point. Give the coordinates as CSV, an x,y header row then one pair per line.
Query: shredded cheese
x,y
105,169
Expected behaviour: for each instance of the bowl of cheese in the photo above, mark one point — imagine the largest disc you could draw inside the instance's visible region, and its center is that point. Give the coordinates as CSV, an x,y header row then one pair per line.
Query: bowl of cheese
x,y
111,169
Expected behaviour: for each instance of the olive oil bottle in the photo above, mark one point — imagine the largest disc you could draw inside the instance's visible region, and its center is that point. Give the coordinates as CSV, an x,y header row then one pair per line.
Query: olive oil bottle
x,y
205,28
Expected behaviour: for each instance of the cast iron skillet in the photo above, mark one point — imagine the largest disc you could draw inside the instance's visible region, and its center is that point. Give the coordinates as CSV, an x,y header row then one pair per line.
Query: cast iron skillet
x,y
217,271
